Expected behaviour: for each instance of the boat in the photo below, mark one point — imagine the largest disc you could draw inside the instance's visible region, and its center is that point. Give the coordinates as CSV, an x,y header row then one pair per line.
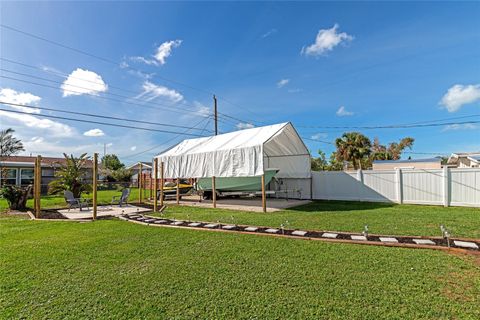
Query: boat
x,y
170,189
235,184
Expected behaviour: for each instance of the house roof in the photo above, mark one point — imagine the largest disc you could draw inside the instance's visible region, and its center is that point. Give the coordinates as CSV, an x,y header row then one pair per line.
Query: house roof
x,y
472,156
30,161
408,160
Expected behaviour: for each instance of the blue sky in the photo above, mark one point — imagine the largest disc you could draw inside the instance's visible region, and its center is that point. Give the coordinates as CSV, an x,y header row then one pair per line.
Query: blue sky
x,y
314,64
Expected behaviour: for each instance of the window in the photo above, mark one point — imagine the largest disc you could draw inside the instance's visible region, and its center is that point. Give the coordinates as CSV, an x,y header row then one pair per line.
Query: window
x,y
48,172
26,177
8,176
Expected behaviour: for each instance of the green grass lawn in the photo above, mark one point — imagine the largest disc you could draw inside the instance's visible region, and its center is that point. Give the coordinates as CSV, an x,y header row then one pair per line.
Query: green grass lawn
x,y
350,216
119,270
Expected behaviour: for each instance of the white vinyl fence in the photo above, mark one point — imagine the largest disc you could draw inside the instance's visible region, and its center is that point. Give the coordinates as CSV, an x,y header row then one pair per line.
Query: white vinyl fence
x,y
448,187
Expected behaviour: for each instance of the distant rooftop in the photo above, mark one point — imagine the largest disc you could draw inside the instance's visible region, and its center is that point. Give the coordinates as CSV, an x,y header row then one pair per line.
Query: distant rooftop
x,y
409,160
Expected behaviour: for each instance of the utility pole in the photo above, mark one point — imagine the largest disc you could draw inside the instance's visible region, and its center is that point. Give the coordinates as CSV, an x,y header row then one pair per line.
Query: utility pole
x,y
104,149
215,114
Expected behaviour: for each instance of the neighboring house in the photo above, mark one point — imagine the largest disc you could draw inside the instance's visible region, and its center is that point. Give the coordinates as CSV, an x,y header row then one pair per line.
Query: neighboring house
x,y
465,160
135,168
18,170
431,163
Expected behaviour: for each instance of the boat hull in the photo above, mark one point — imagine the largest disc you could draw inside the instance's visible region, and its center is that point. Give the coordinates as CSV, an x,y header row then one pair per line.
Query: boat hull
x,y
231,184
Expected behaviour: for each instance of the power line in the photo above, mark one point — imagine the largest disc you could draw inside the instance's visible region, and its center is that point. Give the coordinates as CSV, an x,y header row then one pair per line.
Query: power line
x,y
97,115
111,62
64,75
163,143
396,126
96,122
153,105
147,105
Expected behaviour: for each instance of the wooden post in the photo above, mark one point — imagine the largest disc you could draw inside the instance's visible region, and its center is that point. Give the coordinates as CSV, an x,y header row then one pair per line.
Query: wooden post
x,y
214,193
95,182
37,185
140,183
151,185
162,182
178,191
264,197
155,184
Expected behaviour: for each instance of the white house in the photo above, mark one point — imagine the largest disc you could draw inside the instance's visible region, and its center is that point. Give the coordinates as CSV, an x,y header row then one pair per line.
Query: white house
x,y
465,160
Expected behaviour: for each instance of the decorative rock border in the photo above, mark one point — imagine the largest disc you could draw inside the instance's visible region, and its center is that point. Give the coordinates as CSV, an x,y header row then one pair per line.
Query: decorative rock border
x,y
462,245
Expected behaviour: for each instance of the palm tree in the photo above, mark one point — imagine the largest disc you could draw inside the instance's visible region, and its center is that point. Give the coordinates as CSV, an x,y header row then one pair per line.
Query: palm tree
x,y
71,176
391,152
353,147
9,145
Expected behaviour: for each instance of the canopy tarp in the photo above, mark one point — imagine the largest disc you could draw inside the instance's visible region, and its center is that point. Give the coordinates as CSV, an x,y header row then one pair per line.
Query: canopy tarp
x,y
242,153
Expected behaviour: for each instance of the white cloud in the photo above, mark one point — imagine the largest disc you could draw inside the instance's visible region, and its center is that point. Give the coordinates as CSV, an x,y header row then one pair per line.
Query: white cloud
x,y
83,82
319,136
342,112
465,126
11,96
133,148
152,91
55,128
244,125
459,95
282,83
269,33
94,133
326,40
109,144
163,52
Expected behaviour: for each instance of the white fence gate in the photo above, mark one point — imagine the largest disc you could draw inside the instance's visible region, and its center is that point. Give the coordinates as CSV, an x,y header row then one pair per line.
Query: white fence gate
x,y
448,187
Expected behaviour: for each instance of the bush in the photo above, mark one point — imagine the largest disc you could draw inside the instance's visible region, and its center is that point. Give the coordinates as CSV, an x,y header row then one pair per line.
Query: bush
x,y
16,196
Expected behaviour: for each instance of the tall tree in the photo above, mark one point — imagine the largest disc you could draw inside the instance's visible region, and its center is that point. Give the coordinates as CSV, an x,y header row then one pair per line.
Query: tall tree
x,y
320,163
71,176
111,162
9,145
353,147
391,152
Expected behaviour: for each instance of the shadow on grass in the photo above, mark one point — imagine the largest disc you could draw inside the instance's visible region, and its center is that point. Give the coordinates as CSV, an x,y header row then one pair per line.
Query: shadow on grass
x,y
335,205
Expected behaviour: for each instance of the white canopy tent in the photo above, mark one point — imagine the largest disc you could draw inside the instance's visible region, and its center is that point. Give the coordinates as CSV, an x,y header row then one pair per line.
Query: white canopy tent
x,y
242,153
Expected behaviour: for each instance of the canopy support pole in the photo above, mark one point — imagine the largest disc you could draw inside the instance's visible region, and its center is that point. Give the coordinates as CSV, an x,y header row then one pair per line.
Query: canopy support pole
x,y
178,191
155,184
162,171
214,193
264,196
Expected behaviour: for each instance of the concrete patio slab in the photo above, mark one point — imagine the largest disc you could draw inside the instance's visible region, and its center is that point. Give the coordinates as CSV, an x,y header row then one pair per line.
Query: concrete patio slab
x,y
242,204
102,211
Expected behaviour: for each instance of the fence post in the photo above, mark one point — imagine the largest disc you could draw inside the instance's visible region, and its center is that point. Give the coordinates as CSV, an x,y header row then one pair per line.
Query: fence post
x,y
155,184
399,185
139,178
446,186
178,191
95,174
